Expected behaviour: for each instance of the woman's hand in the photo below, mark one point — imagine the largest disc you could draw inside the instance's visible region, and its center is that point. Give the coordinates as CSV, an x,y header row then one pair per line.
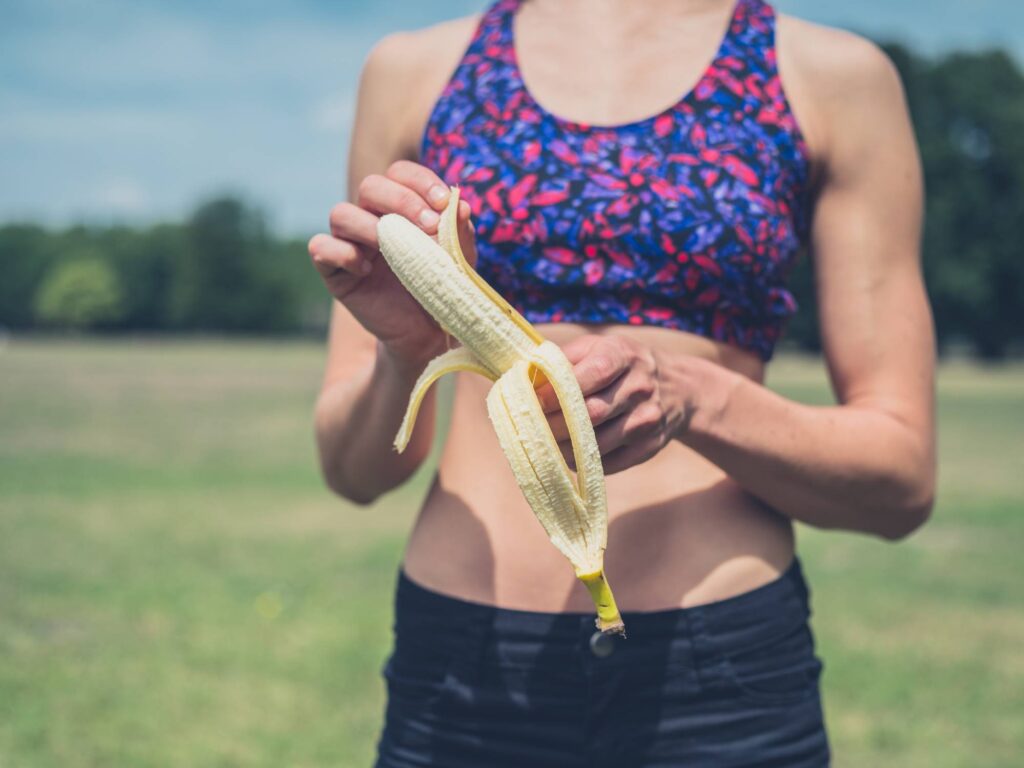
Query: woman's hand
x,y
350,263
635,409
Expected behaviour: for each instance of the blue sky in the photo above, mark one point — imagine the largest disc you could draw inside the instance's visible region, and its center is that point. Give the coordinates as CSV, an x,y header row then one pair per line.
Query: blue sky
x,y
132,110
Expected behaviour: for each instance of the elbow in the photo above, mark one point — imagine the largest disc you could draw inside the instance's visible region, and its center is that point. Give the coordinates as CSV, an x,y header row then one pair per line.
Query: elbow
x,y
335,478
905,521
910,513
347,476
360,497
909,496
360,494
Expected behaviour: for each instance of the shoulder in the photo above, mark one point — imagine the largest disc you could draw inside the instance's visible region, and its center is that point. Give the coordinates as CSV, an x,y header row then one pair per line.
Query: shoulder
x,y
837,64
833,75
404,53
404,71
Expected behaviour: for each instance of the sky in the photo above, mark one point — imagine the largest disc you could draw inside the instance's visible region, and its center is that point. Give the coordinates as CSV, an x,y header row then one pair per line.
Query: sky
x,y
134,110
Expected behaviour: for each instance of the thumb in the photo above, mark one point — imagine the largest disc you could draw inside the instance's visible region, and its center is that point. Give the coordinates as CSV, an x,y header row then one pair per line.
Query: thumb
x,y
467,234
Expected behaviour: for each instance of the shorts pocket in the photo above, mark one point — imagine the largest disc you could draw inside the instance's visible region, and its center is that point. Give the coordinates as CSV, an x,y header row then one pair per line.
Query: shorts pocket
x,y
781,671
419,670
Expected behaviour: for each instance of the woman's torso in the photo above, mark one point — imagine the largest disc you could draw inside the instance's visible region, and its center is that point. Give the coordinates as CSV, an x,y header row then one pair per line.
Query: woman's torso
x,y
681,532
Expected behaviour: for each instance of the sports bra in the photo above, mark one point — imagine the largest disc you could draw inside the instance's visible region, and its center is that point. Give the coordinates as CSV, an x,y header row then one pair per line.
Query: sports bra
x,y
691,218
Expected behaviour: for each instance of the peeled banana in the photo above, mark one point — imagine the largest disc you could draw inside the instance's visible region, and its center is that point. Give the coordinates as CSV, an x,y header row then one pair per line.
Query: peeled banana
x,y
499,343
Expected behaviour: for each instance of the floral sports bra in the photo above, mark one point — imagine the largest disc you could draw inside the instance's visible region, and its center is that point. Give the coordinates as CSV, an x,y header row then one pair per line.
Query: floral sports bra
x,y
689,219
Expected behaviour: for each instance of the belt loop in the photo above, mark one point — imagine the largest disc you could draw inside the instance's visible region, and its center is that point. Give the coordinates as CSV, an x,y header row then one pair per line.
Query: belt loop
x,y
800,582
708,661
477,633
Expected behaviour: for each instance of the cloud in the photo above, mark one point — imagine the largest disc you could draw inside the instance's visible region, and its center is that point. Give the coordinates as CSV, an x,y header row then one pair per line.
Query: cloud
x,y
333,115
121,196
59,123
137,109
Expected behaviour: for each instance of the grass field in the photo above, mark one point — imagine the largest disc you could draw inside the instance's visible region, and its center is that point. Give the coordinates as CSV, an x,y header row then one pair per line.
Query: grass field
x,y
178,589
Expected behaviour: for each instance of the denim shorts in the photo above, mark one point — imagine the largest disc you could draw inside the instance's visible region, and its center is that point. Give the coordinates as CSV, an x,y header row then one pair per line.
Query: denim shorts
x,y
730,683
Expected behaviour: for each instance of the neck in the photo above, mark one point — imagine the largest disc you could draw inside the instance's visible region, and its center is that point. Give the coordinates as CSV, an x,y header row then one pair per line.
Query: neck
x,y
626,16
627,8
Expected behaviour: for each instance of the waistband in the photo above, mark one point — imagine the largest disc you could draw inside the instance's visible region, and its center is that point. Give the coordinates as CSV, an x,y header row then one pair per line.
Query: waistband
x,y
781,602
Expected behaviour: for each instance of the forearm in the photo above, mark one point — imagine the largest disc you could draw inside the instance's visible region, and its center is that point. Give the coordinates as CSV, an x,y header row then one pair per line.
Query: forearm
x,y
356,422
853,466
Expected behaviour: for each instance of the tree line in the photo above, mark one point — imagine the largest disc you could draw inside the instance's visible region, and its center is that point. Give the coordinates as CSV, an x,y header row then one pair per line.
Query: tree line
x,y
221,270
218,271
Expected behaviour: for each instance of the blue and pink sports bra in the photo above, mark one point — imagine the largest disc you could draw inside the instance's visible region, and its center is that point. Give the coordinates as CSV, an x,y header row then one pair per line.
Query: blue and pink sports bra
x,y
689,219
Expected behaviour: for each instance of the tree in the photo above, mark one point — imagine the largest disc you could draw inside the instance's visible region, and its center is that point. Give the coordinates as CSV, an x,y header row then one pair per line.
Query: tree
x,y
80,295
968,111
26,254
228,276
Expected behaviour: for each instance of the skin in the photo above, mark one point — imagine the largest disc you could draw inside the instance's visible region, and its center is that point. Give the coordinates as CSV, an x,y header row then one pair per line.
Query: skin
x,y
706,468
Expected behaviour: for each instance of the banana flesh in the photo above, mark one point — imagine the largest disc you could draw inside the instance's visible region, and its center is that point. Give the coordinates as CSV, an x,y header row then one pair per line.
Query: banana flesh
x,y
499,343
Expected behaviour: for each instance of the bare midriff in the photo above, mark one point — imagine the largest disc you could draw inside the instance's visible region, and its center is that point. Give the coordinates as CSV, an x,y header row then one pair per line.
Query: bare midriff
x,y
680,531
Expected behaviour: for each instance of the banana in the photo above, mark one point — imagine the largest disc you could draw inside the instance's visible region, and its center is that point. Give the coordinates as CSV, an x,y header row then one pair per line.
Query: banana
x,y
499,343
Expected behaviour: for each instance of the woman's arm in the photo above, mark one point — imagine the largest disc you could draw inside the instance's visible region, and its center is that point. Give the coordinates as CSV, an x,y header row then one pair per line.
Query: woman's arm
x,y
362,391
357,417
867,464
380,339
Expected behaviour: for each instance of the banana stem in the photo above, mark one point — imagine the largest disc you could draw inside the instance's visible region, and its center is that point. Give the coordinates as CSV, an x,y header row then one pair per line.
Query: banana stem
x,y
608,619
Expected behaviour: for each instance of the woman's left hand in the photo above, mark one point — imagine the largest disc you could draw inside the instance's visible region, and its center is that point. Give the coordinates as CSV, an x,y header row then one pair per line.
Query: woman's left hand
x,y
635,412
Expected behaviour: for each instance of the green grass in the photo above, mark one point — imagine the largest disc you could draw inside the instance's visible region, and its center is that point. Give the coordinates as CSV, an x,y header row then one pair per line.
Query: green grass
x,y
178,589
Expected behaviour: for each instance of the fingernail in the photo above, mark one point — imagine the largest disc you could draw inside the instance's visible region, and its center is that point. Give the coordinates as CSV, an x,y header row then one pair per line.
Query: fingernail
x,y
428,218
437,194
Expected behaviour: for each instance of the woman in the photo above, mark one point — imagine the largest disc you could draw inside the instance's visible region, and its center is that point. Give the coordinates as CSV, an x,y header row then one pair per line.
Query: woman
x,y
652,243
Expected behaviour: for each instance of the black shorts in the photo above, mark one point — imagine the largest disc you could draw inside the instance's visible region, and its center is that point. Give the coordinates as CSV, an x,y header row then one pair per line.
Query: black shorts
x,y
730,683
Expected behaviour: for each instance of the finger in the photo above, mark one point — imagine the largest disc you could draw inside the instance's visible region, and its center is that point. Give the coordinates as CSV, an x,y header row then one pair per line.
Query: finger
x,y
421,180
625,457
380,194
641,426
597,362
350,222
565,446
467,237
613,434
579,347
601,366
558,426
340,264
330,255
574,350
611,437
601,407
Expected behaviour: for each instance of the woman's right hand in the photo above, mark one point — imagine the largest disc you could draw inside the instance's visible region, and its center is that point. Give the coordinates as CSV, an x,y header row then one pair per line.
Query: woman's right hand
x,y
352,268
